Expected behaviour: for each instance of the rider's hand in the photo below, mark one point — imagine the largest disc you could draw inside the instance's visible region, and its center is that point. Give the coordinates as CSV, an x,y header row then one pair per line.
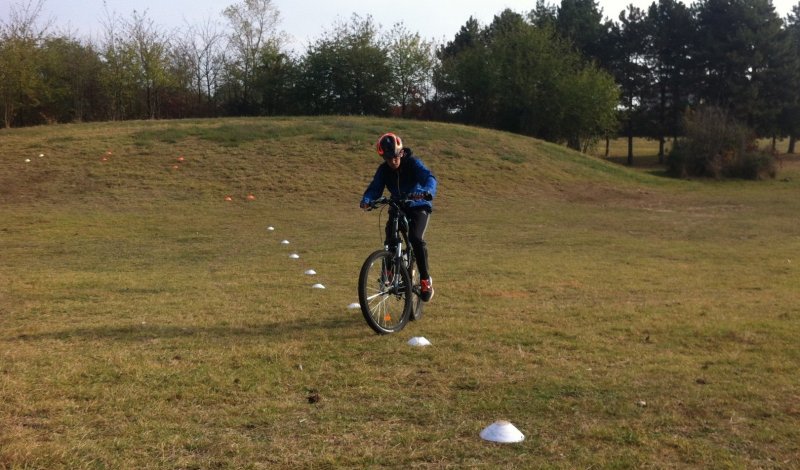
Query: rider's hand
x,y
364,205
420,196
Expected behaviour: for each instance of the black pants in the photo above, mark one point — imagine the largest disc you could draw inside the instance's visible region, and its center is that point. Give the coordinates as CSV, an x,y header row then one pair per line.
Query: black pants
x,y
417,223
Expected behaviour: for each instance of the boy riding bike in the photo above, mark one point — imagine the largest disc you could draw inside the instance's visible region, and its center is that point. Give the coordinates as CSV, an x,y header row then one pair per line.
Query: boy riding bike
x,y
404,175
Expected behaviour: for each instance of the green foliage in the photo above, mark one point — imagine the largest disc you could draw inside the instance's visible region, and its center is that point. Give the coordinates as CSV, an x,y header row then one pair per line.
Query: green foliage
x,y
581,22
462,78
411,60
743,60
789,118
72,90
21,84
718,146
522,78
671,35
346,71
253,30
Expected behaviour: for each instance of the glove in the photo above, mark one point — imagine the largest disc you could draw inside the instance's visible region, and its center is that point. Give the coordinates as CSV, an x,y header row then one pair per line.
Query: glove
x,y
364,205
420,196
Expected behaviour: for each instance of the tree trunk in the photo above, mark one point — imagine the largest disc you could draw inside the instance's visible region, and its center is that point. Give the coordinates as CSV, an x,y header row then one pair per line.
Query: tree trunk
x,y
662,118
608,145
574,143
630,142
792,140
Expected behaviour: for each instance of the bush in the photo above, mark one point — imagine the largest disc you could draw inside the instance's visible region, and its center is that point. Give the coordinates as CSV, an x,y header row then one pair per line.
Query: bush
x,y
717,146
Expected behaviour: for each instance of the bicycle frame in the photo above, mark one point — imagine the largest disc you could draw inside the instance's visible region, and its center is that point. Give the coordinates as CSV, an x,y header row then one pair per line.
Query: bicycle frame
x,y
398,221
398,278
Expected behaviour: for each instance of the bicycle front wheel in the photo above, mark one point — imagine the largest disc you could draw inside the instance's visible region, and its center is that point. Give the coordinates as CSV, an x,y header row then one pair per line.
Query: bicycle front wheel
x,y
416,301
384,292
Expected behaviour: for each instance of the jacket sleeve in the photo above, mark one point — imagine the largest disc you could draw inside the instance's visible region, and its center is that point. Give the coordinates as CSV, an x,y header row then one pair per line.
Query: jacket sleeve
x,y
375,188
426,179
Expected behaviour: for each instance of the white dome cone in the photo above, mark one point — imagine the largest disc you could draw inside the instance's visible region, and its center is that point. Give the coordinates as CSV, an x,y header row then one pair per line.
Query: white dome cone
x,y
419,341
354,305
311,272
285,242
503,432
270,228
294,256
317,286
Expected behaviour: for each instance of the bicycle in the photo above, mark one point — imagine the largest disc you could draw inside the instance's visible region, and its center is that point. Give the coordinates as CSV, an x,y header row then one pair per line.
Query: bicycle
x,y
388,284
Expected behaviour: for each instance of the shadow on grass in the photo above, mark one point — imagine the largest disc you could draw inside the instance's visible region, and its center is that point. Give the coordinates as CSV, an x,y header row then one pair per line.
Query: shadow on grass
x,y
148,332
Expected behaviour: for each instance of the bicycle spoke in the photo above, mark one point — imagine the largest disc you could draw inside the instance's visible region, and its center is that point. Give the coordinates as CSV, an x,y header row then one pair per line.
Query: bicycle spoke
x,y
384,293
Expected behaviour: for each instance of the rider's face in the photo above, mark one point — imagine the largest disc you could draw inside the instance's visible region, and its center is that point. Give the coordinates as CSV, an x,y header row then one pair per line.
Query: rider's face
x,y
394,162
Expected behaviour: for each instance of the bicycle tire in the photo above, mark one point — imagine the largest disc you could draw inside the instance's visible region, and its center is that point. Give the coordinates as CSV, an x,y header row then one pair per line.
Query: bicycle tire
x,y
385,310
416,301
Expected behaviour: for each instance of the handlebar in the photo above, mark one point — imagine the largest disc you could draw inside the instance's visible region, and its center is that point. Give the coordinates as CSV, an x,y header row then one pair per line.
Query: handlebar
x,y
397,202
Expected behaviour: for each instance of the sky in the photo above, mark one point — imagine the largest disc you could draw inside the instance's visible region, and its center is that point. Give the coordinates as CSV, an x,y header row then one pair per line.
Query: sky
x,y
304,21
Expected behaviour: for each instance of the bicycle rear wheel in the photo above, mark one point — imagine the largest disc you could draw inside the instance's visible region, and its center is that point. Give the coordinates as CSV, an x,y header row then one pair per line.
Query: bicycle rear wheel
x,y
384,292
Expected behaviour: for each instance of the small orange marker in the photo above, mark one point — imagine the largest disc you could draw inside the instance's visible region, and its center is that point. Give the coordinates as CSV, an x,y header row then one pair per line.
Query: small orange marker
x,y
180,159
175,167
250,197
104,159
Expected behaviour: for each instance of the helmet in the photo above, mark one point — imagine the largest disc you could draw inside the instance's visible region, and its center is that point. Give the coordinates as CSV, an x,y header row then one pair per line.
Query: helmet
x,y
389,145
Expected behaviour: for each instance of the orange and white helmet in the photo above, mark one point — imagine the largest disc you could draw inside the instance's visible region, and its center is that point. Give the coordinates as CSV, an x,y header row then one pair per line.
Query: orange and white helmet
x,y
389,145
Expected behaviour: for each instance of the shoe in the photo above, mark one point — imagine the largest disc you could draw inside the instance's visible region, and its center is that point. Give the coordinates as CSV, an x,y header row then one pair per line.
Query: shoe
x,y
426,289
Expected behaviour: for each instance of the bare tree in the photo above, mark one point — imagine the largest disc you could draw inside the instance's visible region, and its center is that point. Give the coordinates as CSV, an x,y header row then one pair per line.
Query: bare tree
x,y
150,51
203,48
253,29
118,65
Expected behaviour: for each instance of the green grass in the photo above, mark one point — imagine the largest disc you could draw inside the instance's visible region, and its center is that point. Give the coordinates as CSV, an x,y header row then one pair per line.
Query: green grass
x,y
145,322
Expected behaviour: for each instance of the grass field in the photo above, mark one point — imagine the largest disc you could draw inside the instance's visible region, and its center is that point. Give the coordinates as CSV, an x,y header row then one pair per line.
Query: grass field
x,y
619,319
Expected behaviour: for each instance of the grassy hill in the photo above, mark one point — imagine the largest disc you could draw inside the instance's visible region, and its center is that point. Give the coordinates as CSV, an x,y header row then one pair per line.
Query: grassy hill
x,y
617,318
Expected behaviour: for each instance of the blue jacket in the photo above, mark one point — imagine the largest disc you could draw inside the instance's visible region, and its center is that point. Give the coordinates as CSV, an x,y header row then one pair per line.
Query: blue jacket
x,y
412,177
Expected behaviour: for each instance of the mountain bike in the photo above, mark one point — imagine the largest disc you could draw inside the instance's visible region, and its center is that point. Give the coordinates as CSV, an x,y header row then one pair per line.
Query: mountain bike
x,y
388,285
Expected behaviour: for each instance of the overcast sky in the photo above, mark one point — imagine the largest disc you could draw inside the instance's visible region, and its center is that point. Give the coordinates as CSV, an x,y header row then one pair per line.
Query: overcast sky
x,y
306,20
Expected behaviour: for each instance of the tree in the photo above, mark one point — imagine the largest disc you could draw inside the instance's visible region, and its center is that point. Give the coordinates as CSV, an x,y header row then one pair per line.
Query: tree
x,y
589,97
253,28
463,78
118,76
789,119
275,78
71,88
631,69
411,60
347,71
149,48
528,80
202,50
581,21
20,79
543,15
670,30
739,53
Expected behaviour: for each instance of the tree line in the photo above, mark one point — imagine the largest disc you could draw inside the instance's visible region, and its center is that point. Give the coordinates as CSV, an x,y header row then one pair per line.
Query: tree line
x,y
561,72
